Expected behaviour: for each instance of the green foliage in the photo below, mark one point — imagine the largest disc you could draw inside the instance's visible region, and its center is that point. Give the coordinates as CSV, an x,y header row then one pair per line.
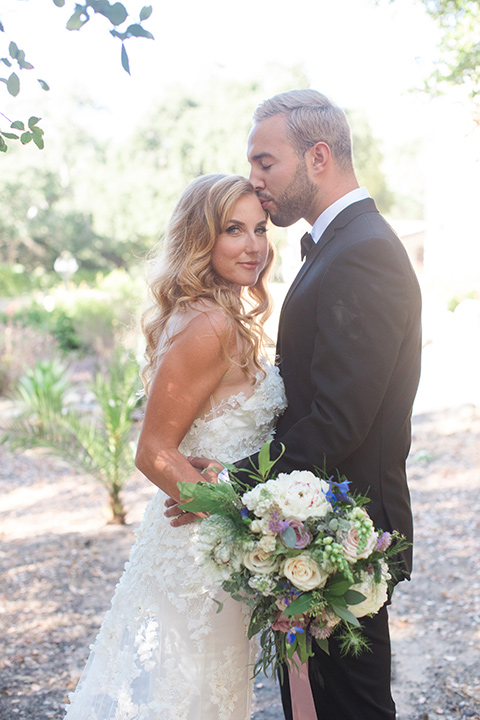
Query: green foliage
x,y
100,445
41,393
368,158
115,12
459,62
56,323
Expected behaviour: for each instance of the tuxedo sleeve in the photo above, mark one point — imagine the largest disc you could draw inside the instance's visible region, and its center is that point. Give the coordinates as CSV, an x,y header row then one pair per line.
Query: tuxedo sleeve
x,y
361,318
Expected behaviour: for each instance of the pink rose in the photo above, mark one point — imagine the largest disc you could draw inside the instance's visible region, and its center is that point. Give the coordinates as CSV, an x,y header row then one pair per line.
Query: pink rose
x,y
303,535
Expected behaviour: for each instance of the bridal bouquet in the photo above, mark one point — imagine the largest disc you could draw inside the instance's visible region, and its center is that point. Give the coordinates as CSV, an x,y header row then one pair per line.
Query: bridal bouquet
x,y
299,550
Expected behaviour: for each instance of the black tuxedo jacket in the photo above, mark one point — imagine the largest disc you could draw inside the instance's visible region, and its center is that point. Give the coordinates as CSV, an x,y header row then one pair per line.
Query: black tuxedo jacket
x,y
348,348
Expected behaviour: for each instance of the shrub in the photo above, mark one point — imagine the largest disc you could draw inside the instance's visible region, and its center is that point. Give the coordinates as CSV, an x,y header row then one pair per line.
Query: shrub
x,y
21,348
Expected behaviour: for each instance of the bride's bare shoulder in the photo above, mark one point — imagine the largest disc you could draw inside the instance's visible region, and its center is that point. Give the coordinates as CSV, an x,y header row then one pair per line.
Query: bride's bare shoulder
x,y
200,317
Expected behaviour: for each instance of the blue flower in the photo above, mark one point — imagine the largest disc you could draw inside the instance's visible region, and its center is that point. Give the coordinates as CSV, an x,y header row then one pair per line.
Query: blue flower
x,y
292,633
244,513
337,491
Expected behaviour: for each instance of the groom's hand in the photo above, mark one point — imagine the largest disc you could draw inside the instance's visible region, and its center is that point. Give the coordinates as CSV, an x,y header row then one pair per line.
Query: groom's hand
x,y
209,469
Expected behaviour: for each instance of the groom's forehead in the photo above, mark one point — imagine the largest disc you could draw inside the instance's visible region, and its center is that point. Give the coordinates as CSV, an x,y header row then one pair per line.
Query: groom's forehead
x,y
267,138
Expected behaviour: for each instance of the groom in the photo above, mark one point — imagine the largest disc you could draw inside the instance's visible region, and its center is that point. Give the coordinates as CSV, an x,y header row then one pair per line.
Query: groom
x,y
349,353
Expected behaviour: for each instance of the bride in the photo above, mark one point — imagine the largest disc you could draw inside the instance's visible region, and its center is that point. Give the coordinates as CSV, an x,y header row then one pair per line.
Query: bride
x,y
163,651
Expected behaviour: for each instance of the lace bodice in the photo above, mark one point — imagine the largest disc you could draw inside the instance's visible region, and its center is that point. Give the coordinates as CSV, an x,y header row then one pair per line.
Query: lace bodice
x,y
239,425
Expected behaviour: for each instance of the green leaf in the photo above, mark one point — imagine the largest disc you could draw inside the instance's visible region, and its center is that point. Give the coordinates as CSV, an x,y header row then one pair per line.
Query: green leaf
x,y
299,605
59,3
3,147
323,645
43,85
338,588
78,19
6,61
10,136
115,13
125,63
13,85
353,597
139,31
289,537
345,614
13,50
145,12
32,121
2,29
18,125
26,137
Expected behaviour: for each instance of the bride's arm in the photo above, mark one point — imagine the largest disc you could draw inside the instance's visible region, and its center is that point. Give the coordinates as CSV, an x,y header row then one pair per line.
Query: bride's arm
x,y
189,373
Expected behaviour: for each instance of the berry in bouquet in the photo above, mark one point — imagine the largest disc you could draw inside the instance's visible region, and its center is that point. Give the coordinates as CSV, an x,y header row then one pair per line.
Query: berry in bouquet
x,y
300,551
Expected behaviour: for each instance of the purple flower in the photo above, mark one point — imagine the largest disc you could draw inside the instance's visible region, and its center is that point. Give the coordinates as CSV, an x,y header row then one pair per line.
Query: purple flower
x,y
276,524
384,541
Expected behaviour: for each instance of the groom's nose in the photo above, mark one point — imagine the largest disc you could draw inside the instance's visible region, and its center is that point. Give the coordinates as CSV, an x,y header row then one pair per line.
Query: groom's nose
x,y
256,180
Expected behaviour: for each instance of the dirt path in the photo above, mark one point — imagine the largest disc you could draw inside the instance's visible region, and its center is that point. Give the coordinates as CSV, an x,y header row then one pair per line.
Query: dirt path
x,y
59,562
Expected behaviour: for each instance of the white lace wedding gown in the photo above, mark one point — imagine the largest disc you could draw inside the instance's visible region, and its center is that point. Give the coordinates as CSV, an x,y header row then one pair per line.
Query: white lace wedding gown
x,y
163,652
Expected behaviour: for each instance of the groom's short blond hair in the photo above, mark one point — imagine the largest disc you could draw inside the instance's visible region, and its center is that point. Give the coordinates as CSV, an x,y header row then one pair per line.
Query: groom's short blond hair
x,y
311,118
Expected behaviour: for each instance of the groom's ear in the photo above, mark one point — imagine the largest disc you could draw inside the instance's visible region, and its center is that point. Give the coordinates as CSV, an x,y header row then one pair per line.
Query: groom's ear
x,y
317,158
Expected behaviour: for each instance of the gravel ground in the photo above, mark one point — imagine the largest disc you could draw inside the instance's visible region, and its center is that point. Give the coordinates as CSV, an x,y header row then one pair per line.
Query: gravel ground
x,y
59,562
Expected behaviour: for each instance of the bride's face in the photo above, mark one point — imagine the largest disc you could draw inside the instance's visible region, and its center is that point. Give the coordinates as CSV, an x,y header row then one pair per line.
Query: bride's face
x,y
240,252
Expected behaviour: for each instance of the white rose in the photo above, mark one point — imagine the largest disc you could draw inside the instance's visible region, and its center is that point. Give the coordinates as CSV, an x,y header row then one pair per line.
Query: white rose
x,y
375,593
304,572
351,543
268,543
303,495
260,562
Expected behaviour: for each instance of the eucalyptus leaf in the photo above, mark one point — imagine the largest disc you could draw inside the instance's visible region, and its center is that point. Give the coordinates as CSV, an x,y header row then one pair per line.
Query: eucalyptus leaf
x,y
6,61
13,85
2,29
289,537
13,50
115,13
26,137
44,85
145,12
59,3
78,19
125,62
138,31
10,136
32,121
3,144
39,142
17,125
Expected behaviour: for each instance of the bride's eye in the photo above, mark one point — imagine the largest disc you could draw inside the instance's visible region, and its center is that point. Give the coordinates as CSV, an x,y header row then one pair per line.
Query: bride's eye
x,y
233,229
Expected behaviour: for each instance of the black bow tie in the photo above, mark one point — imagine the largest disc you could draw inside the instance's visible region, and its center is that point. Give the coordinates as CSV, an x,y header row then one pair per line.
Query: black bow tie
x,y
306,244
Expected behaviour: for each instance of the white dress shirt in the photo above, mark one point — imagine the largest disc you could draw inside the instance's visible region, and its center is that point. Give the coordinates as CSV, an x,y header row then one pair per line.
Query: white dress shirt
x,y
324,220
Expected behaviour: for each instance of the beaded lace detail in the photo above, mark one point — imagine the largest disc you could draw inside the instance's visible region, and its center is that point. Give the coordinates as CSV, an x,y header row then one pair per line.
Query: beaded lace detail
x,y
163,651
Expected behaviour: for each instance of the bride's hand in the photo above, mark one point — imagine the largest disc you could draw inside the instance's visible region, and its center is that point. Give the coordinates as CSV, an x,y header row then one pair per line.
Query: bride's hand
x,y
179,517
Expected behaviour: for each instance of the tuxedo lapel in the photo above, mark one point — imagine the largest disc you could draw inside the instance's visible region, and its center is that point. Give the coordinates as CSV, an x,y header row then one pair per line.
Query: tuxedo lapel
x,y
337,224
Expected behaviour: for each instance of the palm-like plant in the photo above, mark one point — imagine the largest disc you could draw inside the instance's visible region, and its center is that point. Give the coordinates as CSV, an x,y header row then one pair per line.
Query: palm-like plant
x,y
102,445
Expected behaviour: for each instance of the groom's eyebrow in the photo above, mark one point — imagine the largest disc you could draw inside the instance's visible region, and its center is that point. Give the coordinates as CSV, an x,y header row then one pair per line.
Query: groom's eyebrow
x,y
261,155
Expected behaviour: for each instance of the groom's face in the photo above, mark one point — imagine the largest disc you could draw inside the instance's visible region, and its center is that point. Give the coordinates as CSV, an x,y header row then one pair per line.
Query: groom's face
x,y
279,176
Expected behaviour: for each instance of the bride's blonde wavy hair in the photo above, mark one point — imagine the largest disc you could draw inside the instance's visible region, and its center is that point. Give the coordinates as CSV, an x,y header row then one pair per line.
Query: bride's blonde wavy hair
x,y
181,271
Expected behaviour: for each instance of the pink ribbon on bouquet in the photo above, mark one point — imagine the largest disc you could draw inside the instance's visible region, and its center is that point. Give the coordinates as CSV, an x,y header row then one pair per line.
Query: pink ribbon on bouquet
x,y
303,707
